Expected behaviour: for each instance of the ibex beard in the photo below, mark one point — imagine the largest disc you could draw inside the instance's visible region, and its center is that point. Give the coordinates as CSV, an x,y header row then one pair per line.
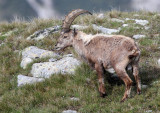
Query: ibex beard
x,y
103,52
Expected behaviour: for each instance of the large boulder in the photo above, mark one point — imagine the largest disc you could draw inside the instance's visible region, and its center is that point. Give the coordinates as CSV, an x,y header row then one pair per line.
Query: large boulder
x,y
32,52
63,66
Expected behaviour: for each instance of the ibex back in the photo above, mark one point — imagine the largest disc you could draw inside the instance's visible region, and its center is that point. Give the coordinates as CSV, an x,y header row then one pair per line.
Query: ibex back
x,y
103,52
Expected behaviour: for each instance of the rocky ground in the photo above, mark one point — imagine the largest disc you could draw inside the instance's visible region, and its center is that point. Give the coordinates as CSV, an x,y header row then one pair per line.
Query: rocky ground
x,y
34,78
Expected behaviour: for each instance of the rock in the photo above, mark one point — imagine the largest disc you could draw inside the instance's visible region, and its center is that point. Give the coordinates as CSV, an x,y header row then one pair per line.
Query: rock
x,y
79,27
138,36
74,99
136,15
32,52
63,66
100,16
38,35
23,80
52,59
2,44
117,20
144,86
10,33
69,111
25,62
105,30
149,111
125,25
128,19
146,27
68,55
141,22
159,62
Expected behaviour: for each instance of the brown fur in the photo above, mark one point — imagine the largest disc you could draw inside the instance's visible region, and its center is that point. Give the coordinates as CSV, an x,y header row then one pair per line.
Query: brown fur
x,y
104,52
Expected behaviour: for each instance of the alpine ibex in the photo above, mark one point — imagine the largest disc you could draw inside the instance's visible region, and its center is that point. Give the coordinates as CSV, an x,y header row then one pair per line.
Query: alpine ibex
x,y
103,52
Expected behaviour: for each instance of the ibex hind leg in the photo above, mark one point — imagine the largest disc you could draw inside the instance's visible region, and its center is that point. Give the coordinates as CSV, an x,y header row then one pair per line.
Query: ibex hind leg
x,y
122,74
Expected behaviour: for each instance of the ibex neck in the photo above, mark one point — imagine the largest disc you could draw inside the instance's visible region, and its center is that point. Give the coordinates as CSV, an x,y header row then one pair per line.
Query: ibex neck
x,y
79,43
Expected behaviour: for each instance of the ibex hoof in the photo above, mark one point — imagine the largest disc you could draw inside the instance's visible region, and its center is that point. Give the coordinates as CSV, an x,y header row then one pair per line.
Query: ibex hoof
x,y
138,92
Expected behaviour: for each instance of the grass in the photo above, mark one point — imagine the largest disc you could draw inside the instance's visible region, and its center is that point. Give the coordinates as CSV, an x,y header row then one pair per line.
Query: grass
x,y
53,95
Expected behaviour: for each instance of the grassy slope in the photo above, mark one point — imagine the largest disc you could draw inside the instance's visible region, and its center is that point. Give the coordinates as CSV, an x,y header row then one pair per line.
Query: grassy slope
x,y
54,94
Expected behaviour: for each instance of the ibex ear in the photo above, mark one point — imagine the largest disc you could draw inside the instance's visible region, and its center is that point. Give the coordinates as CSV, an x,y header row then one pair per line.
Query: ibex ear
x,y
74,32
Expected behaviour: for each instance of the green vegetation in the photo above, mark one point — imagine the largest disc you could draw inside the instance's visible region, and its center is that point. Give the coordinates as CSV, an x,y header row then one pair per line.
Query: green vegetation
x,y
53,95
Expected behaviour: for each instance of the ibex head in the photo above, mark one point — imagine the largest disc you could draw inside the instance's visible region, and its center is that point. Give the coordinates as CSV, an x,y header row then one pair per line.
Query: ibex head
x,y
67,34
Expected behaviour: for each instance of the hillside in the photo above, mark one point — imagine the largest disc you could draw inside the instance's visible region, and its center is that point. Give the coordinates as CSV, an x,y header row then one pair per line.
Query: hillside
x,y
76,91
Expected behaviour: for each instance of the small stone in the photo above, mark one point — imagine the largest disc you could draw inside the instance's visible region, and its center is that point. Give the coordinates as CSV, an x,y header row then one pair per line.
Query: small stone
x,y
136,15
141,22
159,62
52,59
25,62
79,27
23,80
138,36
125,25
41,34
146,27
149,111
88,80
105,30
144,86
101,16
69,111
74,99
68,55
117,20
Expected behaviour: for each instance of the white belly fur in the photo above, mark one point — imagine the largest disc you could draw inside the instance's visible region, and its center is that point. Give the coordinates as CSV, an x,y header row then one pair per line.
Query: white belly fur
x,y
110,70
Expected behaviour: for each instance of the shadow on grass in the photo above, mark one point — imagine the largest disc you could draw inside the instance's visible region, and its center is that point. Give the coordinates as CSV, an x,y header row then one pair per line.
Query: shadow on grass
x,y
147,75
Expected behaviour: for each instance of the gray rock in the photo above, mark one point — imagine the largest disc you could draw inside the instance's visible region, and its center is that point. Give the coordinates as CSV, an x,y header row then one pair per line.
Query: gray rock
x,y
125,25
23,80
79,27
32,52
138,36
146,27
159,62
63,66
144,86
117,20
74,99
38,35
141,22
135,15
69,111
105,30
101,16
149,111
9,33
25,62
52,59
